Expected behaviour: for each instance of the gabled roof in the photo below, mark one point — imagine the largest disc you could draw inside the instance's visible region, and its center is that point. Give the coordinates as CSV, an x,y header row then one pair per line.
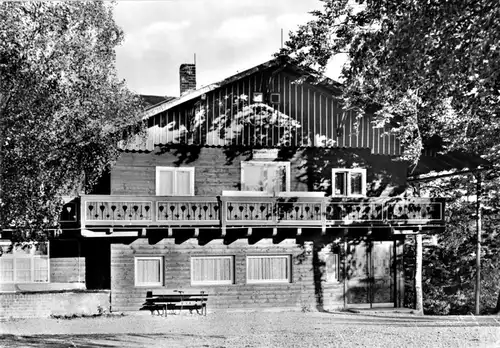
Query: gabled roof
x,y
152,100
279,62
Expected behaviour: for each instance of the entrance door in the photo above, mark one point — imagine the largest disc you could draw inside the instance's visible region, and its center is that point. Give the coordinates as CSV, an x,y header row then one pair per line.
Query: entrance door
x,y
370,274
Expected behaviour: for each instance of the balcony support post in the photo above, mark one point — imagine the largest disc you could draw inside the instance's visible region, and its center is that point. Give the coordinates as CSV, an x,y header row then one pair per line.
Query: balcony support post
x,y
299,231
170,232
275,231
196,232
249,232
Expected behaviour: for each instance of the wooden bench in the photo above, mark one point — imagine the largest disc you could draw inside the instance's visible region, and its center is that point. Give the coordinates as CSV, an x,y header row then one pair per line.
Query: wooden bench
x,y
176,300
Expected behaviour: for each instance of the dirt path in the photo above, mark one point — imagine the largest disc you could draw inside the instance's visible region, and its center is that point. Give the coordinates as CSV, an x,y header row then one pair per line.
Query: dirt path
x,y
254,329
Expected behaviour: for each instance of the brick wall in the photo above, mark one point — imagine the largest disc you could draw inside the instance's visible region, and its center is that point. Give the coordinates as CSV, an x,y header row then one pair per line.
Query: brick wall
x,y
187,77
298,294
44,304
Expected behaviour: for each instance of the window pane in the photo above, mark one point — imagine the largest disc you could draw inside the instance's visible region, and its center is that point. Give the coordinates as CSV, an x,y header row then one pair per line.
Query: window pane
x,y
340,183
41,271
6,269
183,183
23,269
356,183
332,267
166,185
148,271
276,178
268,268
212,269
254,178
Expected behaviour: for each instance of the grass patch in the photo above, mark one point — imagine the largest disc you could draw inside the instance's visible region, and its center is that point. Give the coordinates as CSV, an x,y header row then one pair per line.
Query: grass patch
x,y
78,316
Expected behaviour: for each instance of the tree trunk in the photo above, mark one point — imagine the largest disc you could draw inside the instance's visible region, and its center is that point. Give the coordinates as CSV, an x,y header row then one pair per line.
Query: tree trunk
x,y
478,245
419,298
497,309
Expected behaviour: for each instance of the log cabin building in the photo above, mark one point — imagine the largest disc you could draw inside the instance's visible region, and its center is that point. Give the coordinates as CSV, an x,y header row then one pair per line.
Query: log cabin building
x,y
260,190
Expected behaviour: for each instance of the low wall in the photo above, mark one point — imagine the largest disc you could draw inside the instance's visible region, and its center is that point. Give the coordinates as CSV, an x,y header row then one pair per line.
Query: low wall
x,y
47,303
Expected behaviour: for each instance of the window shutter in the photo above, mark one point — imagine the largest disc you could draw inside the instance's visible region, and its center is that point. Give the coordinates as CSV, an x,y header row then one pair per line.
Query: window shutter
x,y
6,270
183,183
166,185
356,183
340,183
23,269
40,272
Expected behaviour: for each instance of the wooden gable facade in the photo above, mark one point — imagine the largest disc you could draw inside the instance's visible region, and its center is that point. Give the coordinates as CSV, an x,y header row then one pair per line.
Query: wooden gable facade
x,y
313,111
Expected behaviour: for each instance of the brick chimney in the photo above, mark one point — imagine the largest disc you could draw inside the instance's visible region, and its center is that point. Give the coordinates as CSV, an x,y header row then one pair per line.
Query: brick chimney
x,y
187,77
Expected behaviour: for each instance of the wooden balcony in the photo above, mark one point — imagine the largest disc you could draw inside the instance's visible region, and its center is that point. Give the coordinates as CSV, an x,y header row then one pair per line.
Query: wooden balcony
x,y
239,211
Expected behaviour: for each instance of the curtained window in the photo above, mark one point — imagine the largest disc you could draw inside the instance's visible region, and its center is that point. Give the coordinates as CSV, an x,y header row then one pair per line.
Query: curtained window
x,y
268,269
149,271
24,263
213,270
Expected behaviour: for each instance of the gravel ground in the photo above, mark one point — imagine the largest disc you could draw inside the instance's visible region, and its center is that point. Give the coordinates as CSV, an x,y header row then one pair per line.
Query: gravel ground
x,y
255,329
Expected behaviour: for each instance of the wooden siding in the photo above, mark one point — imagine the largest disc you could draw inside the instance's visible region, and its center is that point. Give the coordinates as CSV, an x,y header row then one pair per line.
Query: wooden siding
x,y
217,170
299,293
316,109
66,263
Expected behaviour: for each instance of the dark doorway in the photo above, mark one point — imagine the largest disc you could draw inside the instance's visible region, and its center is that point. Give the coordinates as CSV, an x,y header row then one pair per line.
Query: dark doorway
x,y
370,274
97,263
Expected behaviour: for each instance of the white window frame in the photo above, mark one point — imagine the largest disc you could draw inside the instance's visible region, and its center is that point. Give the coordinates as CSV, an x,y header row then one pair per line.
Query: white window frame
x,y
213,282
175,170
159,258
32,258
270,281
277,163
362,171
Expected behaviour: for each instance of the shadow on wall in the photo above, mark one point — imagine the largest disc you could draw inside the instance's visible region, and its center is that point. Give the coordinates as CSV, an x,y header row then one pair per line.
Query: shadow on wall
x,y
386,176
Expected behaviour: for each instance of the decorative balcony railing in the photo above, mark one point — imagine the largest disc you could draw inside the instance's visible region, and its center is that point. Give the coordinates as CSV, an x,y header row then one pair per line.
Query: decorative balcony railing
x,y
110,211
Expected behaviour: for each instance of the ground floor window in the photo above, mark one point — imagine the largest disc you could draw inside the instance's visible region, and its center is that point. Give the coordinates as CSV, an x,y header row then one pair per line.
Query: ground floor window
x,y
212,270
24,263
268,269
332,267
149,271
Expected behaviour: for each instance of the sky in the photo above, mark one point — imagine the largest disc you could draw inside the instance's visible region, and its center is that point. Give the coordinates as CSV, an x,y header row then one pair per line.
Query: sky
x,y
227,36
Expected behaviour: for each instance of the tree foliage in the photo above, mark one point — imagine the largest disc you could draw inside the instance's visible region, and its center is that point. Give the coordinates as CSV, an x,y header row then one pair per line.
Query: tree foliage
x,y
62,108
430,67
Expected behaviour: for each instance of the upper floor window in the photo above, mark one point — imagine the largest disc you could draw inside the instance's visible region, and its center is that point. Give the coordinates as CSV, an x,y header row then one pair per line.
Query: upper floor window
x,y
24,263
175,181
349,182
265,176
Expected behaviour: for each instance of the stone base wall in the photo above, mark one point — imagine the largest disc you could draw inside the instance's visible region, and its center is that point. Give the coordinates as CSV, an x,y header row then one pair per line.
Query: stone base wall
x,y
45,304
